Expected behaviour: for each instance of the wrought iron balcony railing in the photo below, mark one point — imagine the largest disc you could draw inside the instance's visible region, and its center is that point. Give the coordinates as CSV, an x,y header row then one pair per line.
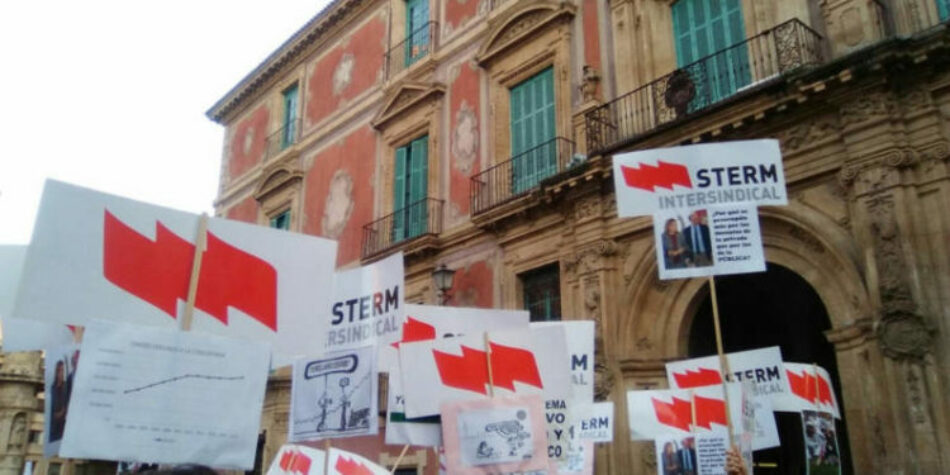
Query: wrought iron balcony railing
x,y
283,138
696,86
520,174
422,218
416,46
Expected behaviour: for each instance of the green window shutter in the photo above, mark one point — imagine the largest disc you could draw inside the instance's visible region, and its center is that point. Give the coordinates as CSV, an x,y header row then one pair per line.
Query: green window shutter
x,y
418,184
532,125
289,136
709,36
542,293
281,221
417,37
943,9
399,194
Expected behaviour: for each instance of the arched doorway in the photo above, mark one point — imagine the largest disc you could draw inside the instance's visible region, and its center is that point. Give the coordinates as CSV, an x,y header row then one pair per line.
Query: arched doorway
x,y
774,308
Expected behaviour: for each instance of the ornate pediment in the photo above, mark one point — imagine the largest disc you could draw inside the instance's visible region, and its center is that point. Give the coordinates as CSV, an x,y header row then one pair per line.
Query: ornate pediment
x,y
406,97
520,25
275,180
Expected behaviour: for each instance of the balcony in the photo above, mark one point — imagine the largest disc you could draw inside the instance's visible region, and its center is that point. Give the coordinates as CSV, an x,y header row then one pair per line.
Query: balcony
x,y
412,224
282,139
409,51
697,86
520,175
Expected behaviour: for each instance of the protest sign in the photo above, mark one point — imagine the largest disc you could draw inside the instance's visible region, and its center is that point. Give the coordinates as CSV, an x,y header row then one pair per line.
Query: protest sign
x,y
21,334
707,241
60,373
692,454
367,306
146,393
334,395
524,361
294,459
658,413
804,385
762,366
95,255
400,430
502,434
697,176
593,422
580,345
821,443
579,459
348,463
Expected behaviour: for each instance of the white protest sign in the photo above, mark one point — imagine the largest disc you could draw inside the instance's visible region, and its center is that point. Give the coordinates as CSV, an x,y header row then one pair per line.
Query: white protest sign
x,y
21,334
762,366
708,241
804,384
146,393
660,413
525,361
697,176
580,345
60,372
95,255
294,459
594,422
400,430
348,463
367,305
334,396
498,435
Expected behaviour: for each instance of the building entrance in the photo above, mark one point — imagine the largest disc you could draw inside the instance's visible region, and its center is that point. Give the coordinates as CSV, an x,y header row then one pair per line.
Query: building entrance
x,y
774,308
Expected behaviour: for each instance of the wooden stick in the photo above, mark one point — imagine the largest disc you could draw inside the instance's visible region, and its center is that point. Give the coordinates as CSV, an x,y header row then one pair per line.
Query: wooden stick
x,y
405,448
692,408
326,459
723,362
201,242
77,333
491,379
814,368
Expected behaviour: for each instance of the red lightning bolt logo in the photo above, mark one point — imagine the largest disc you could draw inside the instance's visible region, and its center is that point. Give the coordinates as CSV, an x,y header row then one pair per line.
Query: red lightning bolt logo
x,y
158,272
664,175
803,386
679,414
696,379
470,371
345,466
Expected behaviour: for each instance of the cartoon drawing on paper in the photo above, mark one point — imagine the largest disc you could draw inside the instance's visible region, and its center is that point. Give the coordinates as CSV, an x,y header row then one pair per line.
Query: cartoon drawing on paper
x,y
495,436
332,396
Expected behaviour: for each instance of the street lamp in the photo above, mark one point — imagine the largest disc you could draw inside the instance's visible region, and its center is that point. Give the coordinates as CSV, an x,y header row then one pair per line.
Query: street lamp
x,y
443,282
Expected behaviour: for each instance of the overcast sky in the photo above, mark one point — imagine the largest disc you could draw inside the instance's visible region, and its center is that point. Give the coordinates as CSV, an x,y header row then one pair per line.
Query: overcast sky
x,y
111,94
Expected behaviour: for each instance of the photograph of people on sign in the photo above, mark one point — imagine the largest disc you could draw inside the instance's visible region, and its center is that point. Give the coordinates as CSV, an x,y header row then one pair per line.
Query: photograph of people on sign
x,y
676,456
821,443
60,373
334,396
700,242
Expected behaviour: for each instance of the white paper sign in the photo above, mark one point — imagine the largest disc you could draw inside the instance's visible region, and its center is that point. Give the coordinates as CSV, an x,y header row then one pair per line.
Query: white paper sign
x,y
334,396
294,459
20,334
580,345
400,430
166,396
526,361
708,241
95,255
594,422
804,381
762,366
348,463
696,176
60,376
367,305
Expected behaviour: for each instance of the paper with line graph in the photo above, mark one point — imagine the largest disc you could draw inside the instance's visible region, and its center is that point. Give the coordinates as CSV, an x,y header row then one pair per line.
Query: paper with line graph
x,y
156,395
334,395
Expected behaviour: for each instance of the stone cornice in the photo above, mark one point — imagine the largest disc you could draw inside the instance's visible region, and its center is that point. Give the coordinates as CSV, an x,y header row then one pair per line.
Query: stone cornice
x,y
283,56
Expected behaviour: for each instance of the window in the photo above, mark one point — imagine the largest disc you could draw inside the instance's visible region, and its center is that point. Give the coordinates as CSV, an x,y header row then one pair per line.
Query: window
x,y
533,148
709,36
943,9
288,135
35,437
410,188
406,471
281,221
417,30
54,469
542,293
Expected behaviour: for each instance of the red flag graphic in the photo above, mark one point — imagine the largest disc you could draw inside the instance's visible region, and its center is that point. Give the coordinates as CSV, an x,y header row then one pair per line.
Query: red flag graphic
x,y
415,330
696,379
803,386
664,175
297,462
470,371
158,272
345,466
679,414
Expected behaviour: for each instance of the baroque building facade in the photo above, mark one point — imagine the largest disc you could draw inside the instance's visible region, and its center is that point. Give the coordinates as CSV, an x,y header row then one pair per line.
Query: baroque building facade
x,y
479,134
